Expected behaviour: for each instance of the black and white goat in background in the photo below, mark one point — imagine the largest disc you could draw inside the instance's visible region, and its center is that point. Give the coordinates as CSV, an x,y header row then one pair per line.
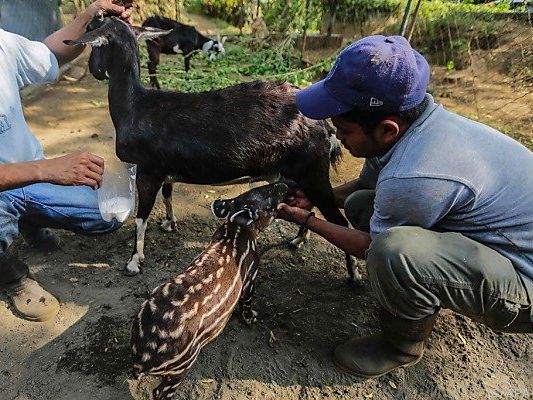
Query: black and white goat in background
x,y
247,132
183,39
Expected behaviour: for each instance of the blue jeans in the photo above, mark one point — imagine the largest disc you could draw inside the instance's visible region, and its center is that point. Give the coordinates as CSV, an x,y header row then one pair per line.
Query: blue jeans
x,y
74,208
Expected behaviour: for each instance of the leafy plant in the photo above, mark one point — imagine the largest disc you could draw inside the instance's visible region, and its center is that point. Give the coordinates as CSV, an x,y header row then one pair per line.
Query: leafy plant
x,y
243,62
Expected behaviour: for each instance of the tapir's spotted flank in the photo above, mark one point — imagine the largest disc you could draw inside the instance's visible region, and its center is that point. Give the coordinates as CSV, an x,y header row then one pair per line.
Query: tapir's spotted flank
x,y
187,312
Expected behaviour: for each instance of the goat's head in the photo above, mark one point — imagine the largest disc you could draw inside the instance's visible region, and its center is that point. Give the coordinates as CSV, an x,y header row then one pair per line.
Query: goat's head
x,y
256,207
109,36
213,48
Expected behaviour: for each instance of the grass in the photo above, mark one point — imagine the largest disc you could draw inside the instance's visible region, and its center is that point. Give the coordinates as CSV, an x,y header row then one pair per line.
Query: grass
x,y
245,60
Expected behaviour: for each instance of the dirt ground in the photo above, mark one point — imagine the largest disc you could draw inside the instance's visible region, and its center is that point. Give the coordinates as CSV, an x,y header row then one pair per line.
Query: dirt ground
x,y
305,306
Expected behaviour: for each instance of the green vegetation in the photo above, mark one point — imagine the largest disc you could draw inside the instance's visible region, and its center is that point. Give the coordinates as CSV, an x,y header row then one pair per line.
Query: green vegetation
x,y
245,61
448,31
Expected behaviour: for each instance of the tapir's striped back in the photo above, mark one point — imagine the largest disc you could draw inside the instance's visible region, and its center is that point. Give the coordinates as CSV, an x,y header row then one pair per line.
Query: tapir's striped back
x,y
185,313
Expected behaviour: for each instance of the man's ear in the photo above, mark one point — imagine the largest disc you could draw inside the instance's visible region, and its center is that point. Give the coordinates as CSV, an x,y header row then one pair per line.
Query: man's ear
x,y
389,130
221,208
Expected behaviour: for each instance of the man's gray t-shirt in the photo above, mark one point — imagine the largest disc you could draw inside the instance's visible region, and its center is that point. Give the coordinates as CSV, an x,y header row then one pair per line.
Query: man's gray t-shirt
x,y
22,62
451,174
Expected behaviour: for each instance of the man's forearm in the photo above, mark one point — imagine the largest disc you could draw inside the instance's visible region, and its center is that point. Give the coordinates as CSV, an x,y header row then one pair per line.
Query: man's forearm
x,y
74,30
352,241
17,175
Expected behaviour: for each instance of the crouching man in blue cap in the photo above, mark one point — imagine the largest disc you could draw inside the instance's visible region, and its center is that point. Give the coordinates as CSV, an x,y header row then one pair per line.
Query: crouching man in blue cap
x,y
441,210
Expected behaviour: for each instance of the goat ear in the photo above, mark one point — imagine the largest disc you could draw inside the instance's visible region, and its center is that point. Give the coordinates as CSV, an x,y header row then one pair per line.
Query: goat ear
x,y
147,32
221,208
95,38
244,217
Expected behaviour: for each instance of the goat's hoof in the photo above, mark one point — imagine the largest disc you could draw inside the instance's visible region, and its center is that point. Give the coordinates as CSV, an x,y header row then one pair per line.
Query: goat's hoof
x,y
131,272
249,317
297,242
133,267
355,283
169,225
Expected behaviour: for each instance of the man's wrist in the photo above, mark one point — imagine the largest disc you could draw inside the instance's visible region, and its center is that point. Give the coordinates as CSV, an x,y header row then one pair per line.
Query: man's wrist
x,y
41,171
305,222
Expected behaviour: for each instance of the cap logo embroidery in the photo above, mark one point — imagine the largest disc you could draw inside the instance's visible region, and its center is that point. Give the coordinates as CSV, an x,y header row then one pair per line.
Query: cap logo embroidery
x,y
375,102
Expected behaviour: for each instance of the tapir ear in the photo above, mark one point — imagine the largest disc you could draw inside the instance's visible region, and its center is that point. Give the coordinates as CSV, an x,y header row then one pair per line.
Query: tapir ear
x,y
221,208
243,217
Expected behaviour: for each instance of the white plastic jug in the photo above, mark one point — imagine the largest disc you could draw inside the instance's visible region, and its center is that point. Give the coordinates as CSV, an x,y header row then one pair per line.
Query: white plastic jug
x,y
116,196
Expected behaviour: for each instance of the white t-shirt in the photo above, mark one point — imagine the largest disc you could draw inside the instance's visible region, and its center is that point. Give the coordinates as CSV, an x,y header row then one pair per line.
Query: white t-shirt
x,y
22,62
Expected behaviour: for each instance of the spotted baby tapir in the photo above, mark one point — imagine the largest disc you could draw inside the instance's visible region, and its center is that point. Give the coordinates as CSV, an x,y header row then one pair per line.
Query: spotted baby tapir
x,y
187,312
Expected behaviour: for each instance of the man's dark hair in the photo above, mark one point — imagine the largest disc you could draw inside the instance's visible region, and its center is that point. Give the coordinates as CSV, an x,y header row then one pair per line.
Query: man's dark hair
x,y
370,119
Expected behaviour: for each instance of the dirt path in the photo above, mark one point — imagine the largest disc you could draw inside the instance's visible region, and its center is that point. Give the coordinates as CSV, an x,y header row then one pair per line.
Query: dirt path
x,y
304,305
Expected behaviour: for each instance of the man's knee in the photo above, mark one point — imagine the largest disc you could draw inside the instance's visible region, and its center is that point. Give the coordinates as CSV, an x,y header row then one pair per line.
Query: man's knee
x,y
391,260
359,207
394,245
99,227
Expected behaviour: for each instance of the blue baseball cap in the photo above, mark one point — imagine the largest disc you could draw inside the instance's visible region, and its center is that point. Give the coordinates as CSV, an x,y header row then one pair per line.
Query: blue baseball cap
x,y
381,73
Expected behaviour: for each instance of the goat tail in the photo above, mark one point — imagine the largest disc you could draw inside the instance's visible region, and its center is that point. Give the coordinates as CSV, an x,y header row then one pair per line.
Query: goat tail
x,y
335,150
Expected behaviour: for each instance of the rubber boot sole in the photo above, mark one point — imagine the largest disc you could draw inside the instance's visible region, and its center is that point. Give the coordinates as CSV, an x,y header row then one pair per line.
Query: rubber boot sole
x,y
368,376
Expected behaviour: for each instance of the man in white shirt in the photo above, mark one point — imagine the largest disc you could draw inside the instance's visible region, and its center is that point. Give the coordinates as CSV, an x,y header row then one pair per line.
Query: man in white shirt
x,y
35,192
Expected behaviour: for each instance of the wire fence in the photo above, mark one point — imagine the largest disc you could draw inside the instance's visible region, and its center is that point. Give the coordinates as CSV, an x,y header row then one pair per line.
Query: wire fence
x,y
482,63
483,68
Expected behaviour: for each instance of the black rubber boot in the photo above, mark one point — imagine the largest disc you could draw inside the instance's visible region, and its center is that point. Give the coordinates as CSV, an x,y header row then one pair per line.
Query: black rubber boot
x,y
521,324
400,344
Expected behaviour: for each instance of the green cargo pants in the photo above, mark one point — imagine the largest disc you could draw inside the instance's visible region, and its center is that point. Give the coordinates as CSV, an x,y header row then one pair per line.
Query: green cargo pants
x,y
415,271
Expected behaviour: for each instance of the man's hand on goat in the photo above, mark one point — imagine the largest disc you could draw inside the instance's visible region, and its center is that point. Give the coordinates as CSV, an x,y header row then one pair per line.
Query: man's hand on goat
x,y
75,170
292,214
122,8
297,198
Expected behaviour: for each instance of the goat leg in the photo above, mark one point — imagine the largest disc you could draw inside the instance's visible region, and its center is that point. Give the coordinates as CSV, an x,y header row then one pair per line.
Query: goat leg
x,y
321,195
169,224
301,238
154,52
147,187
332,214
187,61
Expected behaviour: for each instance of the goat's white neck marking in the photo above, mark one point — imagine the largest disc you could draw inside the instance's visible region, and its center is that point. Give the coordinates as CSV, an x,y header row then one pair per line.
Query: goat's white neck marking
x,y
99,41
207,46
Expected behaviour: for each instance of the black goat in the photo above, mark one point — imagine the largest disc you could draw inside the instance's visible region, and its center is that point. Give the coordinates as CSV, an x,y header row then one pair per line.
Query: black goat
x,y
183,39
247,132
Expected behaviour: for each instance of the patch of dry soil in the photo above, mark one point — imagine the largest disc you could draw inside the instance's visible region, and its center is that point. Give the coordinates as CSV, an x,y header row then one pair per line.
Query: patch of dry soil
x,y
305,306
